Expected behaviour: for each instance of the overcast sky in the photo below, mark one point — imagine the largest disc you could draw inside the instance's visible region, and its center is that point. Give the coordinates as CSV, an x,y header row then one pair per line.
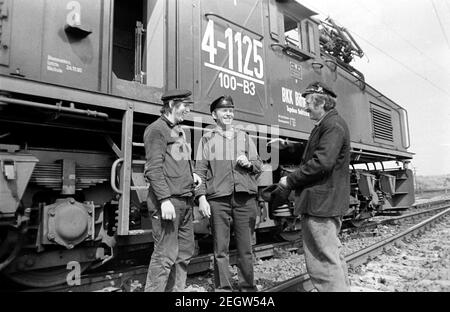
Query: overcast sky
x,y
407,58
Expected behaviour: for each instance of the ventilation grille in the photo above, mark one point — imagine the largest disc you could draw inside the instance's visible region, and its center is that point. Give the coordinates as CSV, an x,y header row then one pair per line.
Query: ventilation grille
x,y
50,176
382,125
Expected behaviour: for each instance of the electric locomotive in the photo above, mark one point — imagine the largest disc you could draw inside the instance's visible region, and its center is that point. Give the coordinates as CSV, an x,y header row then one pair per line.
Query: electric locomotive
x,y
81,79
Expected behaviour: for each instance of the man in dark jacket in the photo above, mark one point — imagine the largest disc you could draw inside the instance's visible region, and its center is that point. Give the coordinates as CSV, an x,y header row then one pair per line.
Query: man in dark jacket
x,y
169,171
228,164
322,188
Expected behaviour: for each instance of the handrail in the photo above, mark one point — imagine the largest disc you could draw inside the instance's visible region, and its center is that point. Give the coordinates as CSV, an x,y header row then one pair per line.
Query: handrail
x,y
317,64
114,172
291,51
207,15
335,65
113,176
359,75
138,73
347,68
406,119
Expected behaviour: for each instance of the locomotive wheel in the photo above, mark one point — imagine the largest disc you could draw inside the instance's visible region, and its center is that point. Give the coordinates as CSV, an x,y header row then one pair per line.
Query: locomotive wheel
x,y
44,277
10,244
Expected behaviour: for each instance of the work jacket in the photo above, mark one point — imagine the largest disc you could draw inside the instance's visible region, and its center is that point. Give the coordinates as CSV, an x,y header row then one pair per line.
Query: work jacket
x,y
217,167
168,166
322,182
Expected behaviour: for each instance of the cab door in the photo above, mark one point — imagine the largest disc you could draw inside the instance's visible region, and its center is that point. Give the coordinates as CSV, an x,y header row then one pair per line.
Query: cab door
x,y
222,52
56,41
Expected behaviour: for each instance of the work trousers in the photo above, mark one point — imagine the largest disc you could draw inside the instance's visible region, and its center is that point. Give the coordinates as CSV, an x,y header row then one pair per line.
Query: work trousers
x,y
325,261
173,248
238,209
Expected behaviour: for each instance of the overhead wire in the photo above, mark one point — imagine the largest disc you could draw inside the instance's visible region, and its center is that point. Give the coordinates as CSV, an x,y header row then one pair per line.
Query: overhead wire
x,y
387,54
359,3
440,23
404,65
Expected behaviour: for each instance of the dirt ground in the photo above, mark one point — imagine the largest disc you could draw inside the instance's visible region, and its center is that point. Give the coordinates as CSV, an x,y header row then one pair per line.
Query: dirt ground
x,y
420,264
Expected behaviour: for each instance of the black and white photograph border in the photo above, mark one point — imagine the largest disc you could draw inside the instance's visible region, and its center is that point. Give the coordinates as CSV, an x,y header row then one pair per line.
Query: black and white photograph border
x,y
133,132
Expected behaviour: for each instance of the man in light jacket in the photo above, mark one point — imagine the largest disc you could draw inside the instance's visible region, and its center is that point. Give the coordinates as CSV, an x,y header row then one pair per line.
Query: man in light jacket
x,y
228,164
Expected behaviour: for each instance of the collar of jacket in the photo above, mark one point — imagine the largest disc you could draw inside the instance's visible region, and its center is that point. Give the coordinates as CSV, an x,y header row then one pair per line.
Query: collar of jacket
x,y
331,112
169,123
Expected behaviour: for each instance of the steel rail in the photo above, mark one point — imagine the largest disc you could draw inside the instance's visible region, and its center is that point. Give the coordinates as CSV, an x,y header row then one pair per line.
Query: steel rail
x,y
303,281
390,220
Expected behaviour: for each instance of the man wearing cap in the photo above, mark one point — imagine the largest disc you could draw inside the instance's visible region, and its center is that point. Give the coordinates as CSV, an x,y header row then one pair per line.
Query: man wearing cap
x,y
322,188
169,171
228,164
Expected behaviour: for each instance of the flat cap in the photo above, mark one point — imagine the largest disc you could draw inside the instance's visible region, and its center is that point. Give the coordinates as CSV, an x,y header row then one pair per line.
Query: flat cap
x,y
176,94
222,101
319,88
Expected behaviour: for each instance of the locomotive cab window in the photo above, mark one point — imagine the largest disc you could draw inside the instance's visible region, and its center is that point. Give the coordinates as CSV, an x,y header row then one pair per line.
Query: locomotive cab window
x,y
300,33
292,33
138,36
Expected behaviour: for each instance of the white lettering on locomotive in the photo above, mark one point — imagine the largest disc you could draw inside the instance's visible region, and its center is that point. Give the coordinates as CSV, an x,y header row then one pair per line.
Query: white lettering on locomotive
x,y
242,72
74,16
291,97
74,276
286,96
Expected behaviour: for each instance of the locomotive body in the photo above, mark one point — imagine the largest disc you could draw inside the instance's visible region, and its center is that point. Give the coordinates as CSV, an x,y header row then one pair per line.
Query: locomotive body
x,y
80,80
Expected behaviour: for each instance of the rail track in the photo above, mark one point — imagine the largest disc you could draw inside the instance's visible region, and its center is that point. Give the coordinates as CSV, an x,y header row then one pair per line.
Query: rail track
x,y
426,209
303,282
133,278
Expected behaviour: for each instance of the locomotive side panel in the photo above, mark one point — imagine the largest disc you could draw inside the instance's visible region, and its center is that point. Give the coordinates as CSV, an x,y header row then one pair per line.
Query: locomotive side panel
x,y
226,55
374,121
22,36
72,44
295,60
291,51
59,42
351,104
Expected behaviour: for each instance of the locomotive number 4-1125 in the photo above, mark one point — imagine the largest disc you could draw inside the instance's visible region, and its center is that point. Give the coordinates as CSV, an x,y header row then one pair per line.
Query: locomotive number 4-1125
x,y
242,72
